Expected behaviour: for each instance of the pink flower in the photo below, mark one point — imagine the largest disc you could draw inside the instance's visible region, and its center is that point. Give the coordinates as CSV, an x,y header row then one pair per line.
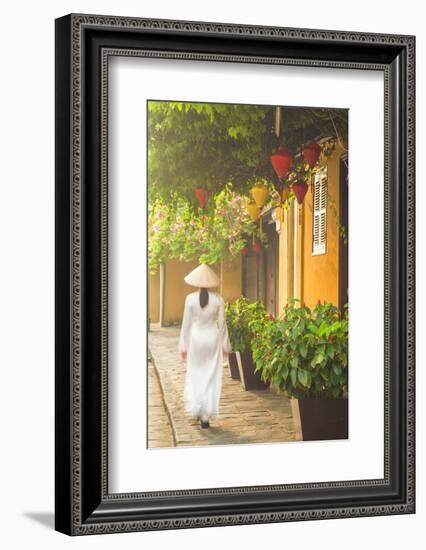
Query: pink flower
x,y
156,227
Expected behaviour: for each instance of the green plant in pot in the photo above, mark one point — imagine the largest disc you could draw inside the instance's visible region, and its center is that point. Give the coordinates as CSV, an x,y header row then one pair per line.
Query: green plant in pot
x,y
304,353
239,316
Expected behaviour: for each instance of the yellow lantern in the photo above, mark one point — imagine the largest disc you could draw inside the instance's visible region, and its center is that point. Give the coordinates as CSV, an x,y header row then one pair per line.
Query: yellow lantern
x,y
253,210
260,193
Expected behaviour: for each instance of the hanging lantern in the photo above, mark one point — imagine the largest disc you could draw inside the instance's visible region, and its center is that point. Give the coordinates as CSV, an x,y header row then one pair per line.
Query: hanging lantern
x,y
257,247
311,152
300,188
281,161
253,210
202,196
260,193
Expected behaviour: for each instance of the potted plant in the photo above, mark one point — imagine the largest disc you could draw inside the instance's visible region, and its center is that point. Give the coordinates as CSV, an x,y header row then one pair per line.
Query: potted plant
x,y
239,315
304,353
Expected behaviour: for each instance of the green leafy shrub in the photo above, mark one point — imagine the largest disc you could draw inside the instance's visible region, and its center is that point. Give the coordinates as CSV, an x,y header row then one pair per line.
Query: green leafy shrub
x,y
240,314
305,352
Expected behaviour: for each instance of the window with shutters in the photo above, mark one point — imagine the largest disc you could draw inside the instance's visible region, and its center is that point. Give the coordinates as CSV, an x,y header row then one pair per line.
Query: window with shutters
x,y
319,222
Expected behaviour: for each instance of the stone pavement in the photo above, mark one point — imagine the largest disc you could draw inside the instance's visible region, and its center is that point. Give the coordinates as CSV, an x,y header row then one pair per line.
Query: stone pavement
x,y
160,433
259,416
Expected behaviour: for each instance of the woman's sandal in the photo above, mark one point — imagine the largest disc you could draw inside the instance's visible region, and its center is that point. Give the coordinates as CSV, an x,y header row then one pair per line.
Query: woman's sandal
x,y
205,424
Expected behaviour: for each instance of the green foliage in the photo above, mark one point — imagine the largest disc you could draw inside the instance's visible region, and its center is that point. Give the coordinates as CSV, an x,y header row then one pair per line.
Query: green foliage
x,y
209,144
301,124
179,230
239,315
305,352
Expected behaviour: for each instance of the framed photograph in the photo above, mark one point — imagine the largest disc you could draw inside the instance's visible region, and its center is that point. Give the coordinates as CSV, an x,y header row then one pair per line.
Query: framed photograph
x,y
234,274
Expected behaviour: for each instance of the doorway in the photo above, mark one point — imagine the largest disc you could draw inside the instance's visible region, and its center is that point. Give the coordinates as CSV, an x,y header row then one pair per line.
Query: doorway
x,y
270,270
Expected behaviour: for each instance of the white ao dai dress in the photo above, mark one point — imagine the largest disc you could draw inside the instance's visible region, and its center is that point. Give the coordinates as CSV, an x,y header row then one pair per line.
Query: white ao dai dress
x,y
204,336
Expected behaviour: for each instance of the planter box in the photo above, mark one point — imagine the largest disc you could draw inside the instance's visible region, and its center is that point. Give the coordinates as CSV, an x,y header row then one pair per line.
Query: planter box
x,y
233,366
323,418
250,380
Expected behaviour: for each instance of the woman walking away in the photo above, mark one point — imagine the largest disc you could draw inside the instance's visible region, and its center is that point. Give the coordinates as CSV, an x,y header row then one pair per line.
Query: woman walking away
x,y
204,344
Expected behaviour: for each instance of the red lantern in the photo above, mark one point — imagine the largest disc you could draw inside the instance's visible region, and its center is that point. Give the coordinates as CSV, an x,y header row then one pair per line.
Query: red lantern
x,y
257,247
202,196
281,161
311,152
300,188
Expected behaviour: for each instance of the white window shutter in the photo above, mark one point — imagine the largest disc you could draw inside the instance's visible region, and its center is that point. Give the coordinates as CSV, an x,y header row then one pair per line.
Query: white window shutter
x,y
319,222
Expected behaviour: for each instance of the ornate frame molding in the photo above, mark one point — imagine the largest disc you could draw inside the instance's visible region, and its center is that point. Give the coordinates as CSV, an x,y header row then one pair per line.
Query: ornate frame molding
x,y
72,46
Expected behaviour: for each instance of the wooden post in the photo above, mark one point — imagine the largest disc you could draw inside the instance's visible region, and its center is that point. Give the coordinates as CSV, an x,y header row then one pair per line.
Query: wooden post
x,y
290,251
277,121
162,293
300,253
296,416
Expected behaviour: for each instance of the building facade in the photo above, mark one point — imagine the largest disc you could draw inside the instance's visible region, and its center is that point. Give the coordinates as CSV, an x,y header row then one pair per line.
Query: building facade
x,y
306,256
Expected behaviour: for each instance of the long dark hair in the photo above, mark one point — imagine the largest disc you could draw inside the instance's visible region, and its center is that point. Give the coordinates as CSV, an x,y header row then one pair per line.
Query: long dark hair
x,y
204,297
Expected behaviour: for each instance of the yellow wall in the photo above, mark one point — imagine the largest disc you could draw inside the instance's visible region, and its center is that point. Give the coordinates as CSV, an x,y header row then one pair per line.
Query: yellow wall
x,y
317,277
154,297
321,273
300,262
283,260
176,289
231,279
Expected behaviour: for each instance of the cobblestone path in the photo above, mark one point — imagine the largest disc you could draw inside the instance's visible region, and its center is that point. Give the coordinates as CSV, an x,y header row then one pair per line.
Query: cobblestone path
x,y
160,433
259,416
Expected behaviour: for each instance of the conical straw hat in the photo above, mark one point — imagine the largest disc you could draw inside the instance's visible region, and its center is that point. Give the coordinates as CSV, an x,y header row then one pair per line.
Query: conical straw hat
x,y
202,276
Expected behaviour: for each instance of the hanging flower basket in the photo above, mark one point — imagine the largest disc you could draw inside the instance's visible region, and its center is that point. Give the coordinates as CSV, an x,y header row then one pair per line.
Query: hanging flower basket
x,y
300,188
281,161
311,153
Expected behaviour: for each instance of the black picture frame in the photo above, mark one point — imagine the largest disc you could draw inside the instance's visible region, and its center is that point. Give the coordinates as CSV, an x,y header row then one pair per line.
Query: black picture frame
x,y
83,45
